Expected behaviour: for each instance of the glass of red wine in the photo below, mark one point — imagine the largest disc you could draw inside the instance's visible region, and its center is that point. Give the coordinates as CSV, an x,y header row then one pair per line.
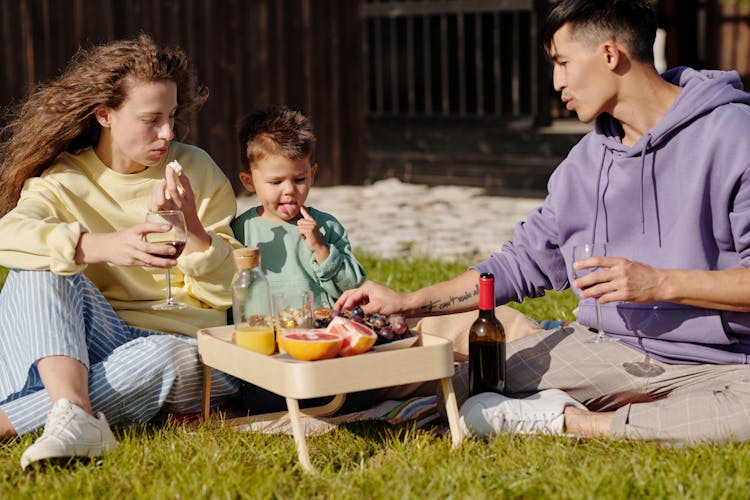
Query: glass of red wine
x,y
175,237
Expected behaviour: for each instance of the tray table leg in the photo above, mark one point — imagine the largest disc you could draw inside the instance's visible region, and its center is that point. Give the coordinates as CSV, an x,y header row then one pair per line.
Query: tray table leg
x,y
206,391
299,435
327,409
451,408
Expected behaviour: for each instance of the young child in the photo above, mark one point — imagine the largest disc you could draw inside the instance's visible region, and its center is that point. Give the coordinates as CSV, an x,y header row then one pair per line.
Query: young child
x,y
301,248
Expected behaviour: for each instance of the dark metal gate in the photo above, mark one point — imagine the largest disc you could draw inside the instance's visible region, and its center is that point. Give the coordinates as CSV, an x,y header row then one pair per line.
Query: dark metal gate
x,y
452,58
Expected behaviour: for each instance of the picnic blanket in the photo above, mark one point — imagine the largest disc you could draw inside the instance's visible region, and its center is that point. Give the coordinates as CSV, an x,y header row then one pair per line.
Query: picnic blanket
x,y
421,410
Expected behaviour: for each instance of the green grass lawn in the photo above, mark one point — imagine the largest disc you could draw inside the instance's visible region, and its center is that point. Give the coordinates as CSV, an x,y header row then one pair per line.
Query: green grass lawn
x,y
376,460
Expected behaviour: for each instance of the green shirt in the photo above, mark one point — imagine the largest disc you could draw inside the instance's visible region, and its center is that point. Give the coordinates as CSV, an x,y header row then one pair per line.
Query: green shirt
x,y
289,264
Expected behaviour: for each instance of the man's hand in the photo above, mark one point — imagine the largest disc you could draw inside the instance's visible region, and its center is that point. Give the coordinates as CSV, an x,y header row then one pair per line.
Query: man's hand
x,y
310,232
373,298
619,279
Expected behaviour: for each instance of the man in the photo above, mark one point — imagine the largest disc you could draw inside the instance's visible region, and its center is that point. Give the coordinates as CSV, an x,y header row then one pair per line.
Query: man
x,y
663,182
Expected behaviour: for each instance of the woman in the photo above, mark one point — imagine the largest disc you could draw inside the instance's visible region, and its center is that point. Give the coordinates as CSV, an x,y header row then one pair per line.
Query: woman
x,y
84,162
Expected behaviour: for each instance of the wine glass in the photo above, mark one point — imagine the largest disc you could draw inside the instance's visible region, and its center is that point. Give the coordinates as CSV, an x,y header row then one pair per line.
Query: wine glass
x,y
582,252
176,237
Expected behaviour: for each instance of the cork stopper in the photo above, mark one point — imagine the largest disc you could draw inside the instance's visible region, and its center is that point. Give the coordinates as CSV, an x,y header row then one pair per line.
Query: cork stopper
x,y
246,258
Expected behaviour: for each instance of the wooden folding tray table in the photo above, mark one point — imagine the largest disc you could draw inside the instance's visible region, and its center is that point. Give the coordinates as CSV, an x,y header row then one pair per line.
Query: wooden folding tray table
x,y
431,358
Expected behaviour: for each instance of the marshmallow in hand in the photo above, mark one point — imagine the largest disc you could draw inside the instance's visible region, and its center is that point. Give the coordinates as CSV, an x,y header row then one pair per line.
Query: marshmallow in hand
x,y
175,165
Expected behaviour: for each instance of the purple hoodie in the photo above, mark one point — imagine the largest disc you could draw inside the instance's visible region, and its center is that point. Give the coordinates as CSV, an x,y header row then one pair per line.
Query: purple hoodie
x,y
678,198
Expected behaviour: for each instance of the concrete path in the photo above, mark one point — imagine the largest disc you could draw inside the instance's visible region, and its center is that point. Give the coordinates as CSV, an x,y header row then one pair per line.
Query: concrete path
x,y
392,219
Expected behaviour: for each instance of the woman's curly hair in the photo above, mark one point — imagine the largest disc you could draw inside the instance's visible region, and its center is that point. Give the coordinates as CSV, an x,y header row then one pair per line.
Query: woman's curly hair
x,y
59,116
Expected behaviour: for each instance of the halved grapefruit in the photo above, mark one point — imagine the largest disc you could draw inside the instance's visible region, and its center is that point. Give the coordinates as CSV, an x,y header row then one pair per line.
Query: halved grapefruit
x,y
358,338
310,344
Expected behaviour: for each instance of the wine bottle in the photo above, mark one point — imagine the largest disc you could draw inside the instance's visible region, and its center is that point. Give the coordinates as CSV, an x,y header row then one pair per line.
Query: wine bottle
x,y
486,343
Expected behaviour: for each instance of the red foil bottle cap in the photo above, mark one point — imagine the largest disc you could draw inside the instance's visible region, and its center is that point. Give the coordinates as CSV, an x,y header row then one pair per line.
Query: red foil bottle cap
x,y
486,291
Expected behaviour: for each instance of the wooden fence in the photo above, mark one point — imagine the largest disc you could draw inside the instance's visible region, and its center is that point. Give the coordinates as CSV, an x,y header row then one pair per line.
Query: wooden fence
x,y
385,71
733,39
250,53
708,34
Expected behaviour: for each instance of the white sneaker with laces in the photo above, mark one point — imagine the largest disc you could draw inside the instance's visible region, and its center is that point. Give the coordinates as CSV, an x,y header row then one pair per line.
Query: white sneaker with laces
x,y
489,413
70,432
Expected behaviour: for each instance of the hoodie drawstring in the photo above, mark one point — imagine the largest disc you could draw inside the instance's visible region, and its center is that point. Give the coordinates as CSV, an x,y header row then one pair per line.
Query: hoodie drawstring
x,y
646,144
598,194
643,173
598,185
601,192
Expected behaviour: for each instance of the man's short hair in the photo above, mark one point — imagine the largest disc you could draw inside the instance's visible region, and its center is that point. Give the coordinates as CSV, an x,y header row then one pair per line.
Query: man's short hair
x,y
629,22
276,130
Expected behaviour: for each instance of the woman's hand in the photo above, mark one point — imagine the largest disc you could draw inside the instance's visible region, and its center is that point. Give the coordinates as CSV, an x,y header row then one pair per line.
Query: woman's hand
x,y
127,247
174,192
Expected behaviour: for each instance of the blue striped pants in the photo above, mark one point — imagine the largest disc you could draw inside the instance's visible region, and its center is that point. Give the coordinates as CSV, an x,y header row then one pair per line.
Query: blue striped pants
x,y
133,372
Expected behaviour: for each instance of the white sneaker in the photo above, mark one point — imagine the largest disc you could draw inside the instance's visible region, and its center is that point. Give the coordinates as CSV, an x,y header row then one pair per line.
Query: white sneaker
x,y
70,432
490,413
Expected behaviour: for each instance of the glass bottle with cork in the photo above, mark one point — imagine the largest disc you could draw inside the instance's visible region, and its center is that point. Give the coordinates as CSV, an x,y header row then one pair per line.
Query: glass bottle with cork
x,y
251,303
486,343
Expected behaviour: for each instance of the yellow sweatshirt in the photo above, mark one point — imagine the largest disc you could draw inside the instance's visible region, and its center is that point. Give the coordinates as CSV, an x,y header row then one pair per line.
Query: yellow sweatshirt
x,y
79,193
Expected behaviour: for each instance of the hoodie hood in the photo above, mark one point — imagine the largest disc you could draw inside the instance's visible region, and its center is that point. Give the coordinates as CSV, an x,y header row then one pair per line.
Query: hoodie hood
x,y
702,92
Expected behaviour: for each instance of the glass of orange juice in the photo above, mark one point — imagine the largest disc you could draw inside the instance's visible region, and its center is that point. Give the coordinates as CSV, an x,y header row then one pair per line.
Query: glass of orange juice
x,y
257,338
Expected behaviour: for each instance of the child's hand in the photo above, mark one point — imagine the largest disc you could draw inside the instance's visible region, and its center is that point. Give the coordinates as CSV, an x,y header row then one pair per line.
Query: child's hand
x,y
309,231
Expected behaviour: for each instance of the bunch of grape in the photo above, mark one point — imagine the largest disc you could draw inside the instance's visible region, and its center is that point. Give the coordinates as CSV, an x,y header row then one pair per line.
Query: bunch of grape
x,y
388,328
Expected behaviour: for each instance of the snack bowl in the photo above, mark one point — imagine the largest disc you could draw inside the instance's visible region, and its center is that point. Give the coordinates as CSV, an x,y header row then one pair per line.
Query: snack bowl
x,y
310,344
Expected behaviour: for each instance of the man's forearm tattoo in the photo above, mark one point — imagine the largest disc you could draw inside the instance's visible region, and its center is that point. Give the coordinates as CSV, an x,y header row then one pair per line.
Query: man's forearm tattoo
x,y
436,305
